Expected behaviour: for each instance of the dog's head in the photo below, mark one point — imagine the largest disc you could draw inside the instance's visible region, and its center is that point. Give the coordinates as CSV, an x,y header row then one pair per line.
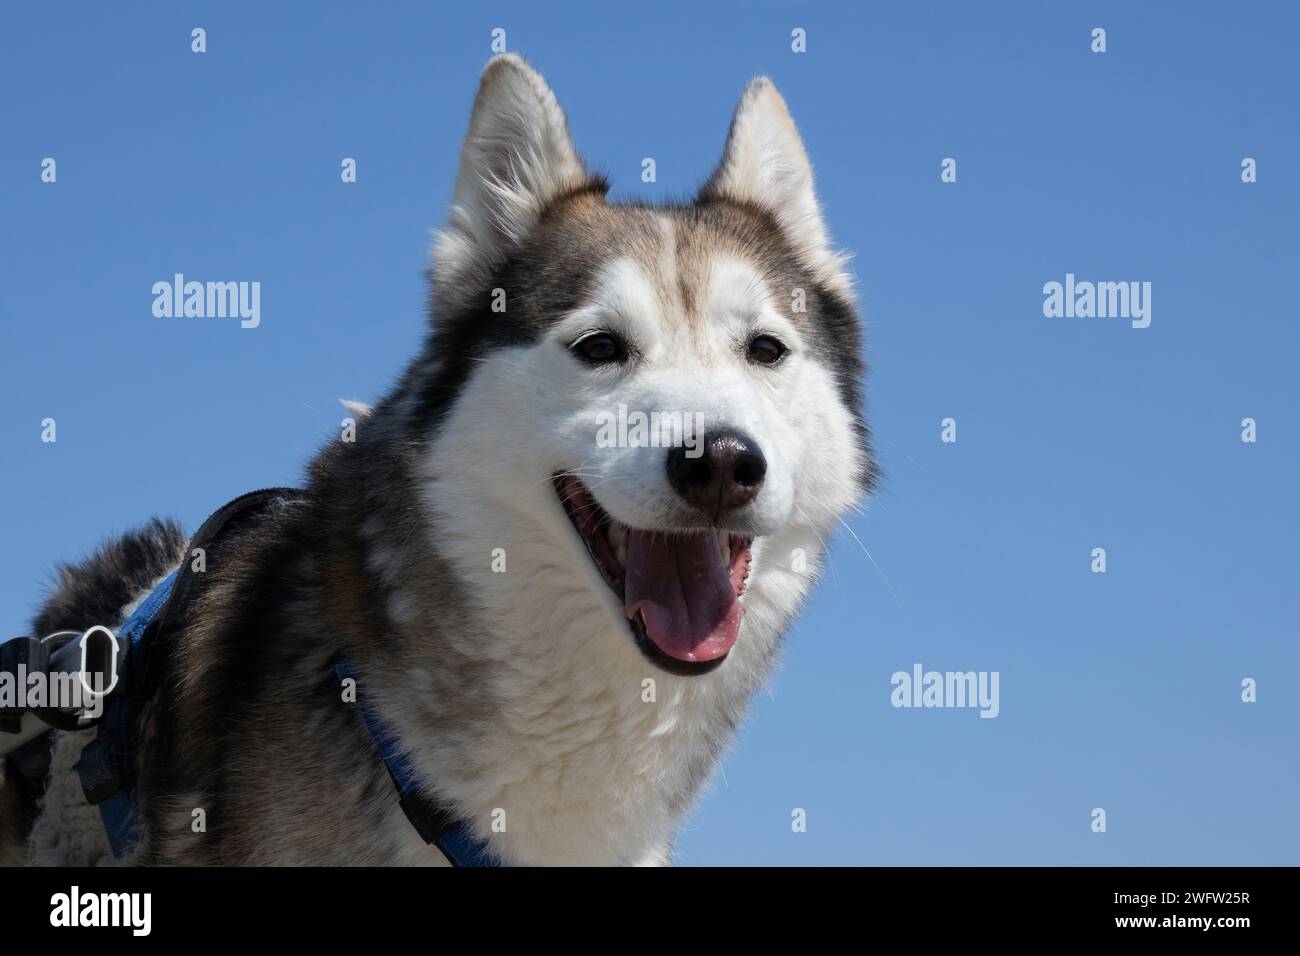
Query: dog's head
x,y
650,412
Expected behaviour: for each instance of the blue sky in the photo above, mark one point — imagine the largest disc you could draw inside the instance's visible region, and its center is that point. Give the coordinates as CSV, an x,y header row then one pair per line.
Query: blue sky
x,y
1118,690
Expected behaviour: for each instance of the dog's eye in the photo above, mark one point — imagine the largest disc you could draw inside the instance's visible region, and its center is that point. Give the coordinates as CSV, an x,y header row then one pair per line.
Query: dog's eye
x,y
599,348
765,350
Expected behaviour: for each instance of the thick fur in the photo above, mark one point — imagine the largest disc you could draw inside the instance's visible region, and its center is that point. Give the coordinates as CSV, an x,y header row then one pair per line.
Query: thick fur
x,y
98,588
520,696
95,591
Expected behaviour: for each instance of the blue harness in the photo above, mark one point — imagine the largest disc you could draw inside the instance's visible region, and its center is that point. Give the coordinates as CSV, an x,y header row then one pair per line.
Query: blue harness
x,y
107,766
108,763
431,820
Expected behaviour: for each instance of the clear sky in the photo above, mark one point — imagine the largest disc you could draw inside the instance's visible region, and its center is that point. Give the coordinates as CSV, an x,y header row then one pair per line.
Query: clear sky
x,y
1119,691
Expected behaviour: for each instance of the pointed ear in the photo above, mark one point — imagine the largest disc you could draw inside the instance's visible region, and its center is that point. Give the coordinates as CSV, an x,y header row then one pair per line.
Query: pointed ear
x,y
516,159
764,163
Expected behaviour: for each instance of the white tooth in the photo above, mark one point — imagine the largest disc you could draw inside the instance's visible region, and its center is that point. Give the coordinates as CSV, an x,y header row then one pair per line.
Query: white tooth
x,y
617,533
724,548
620,552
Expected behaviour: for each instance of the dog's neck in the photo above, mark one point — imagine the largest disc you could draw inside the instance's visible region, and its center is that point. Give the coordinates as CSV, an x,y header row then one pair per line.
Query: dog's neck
x,y
519,697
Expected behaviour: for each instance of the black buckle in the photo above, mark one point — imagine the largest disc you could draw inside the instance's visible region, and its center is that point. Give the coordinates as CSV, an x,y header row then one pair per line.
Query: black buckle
x,y
32,656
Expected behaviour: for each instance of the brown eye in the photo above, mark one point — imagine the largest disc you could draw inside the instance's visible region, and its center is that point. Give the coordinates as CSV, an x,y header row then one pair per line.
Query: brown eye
x,y
599,348
765,350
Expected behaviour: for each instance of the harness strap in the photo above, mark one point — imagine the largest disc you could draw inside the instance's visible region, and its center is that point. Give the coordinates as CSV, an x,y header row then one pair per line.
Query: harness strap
x,y
434,822
107,765
20,652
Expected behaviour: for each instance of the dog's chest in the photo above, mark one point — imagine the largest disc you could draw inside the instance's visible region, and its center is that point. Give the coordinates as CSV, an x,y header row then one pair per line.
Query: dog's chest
x,y
600,783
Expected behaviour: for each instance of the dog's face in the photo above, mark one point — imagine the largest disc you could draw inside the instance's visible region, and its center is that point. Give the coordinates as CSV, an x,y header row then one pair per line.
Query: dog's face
x,y
666,398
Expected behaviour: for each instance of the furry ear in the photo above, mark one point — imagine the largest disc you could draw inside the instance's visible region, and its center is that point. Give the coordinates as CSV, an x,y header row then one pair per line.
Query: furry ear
x,y
764,163
516,159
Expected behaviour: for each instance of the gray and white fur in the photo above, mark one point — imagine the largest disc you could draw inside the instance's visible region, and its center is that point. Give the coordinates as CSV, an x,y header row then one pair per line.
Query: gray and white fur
x,y
519,696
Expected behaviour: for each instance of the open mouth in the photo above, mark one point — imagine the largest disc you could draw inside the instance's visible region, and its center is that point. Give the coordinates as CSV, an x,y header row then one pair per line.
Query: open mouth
x,y
680,589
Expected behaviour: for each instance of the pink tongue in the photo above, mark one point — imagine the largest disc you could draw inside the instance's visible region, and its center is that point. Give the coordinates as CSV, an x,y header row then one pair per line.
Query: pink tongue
x,y
683,592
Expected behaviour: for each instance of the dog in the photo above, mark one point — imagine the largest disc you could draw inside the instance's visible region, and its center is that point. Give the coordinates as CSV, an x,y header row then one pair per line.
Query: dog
x,y
558,634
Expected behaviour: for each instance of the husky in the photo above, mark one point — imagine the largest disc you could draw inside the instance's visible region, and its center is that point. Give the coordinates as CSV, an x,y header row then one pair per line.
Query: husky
x,y
560,635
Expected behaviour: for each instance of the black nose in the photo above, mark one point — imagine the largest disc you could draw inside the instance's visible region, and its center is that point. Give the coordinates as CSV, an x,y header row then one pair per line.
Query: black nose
x,y
727,475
